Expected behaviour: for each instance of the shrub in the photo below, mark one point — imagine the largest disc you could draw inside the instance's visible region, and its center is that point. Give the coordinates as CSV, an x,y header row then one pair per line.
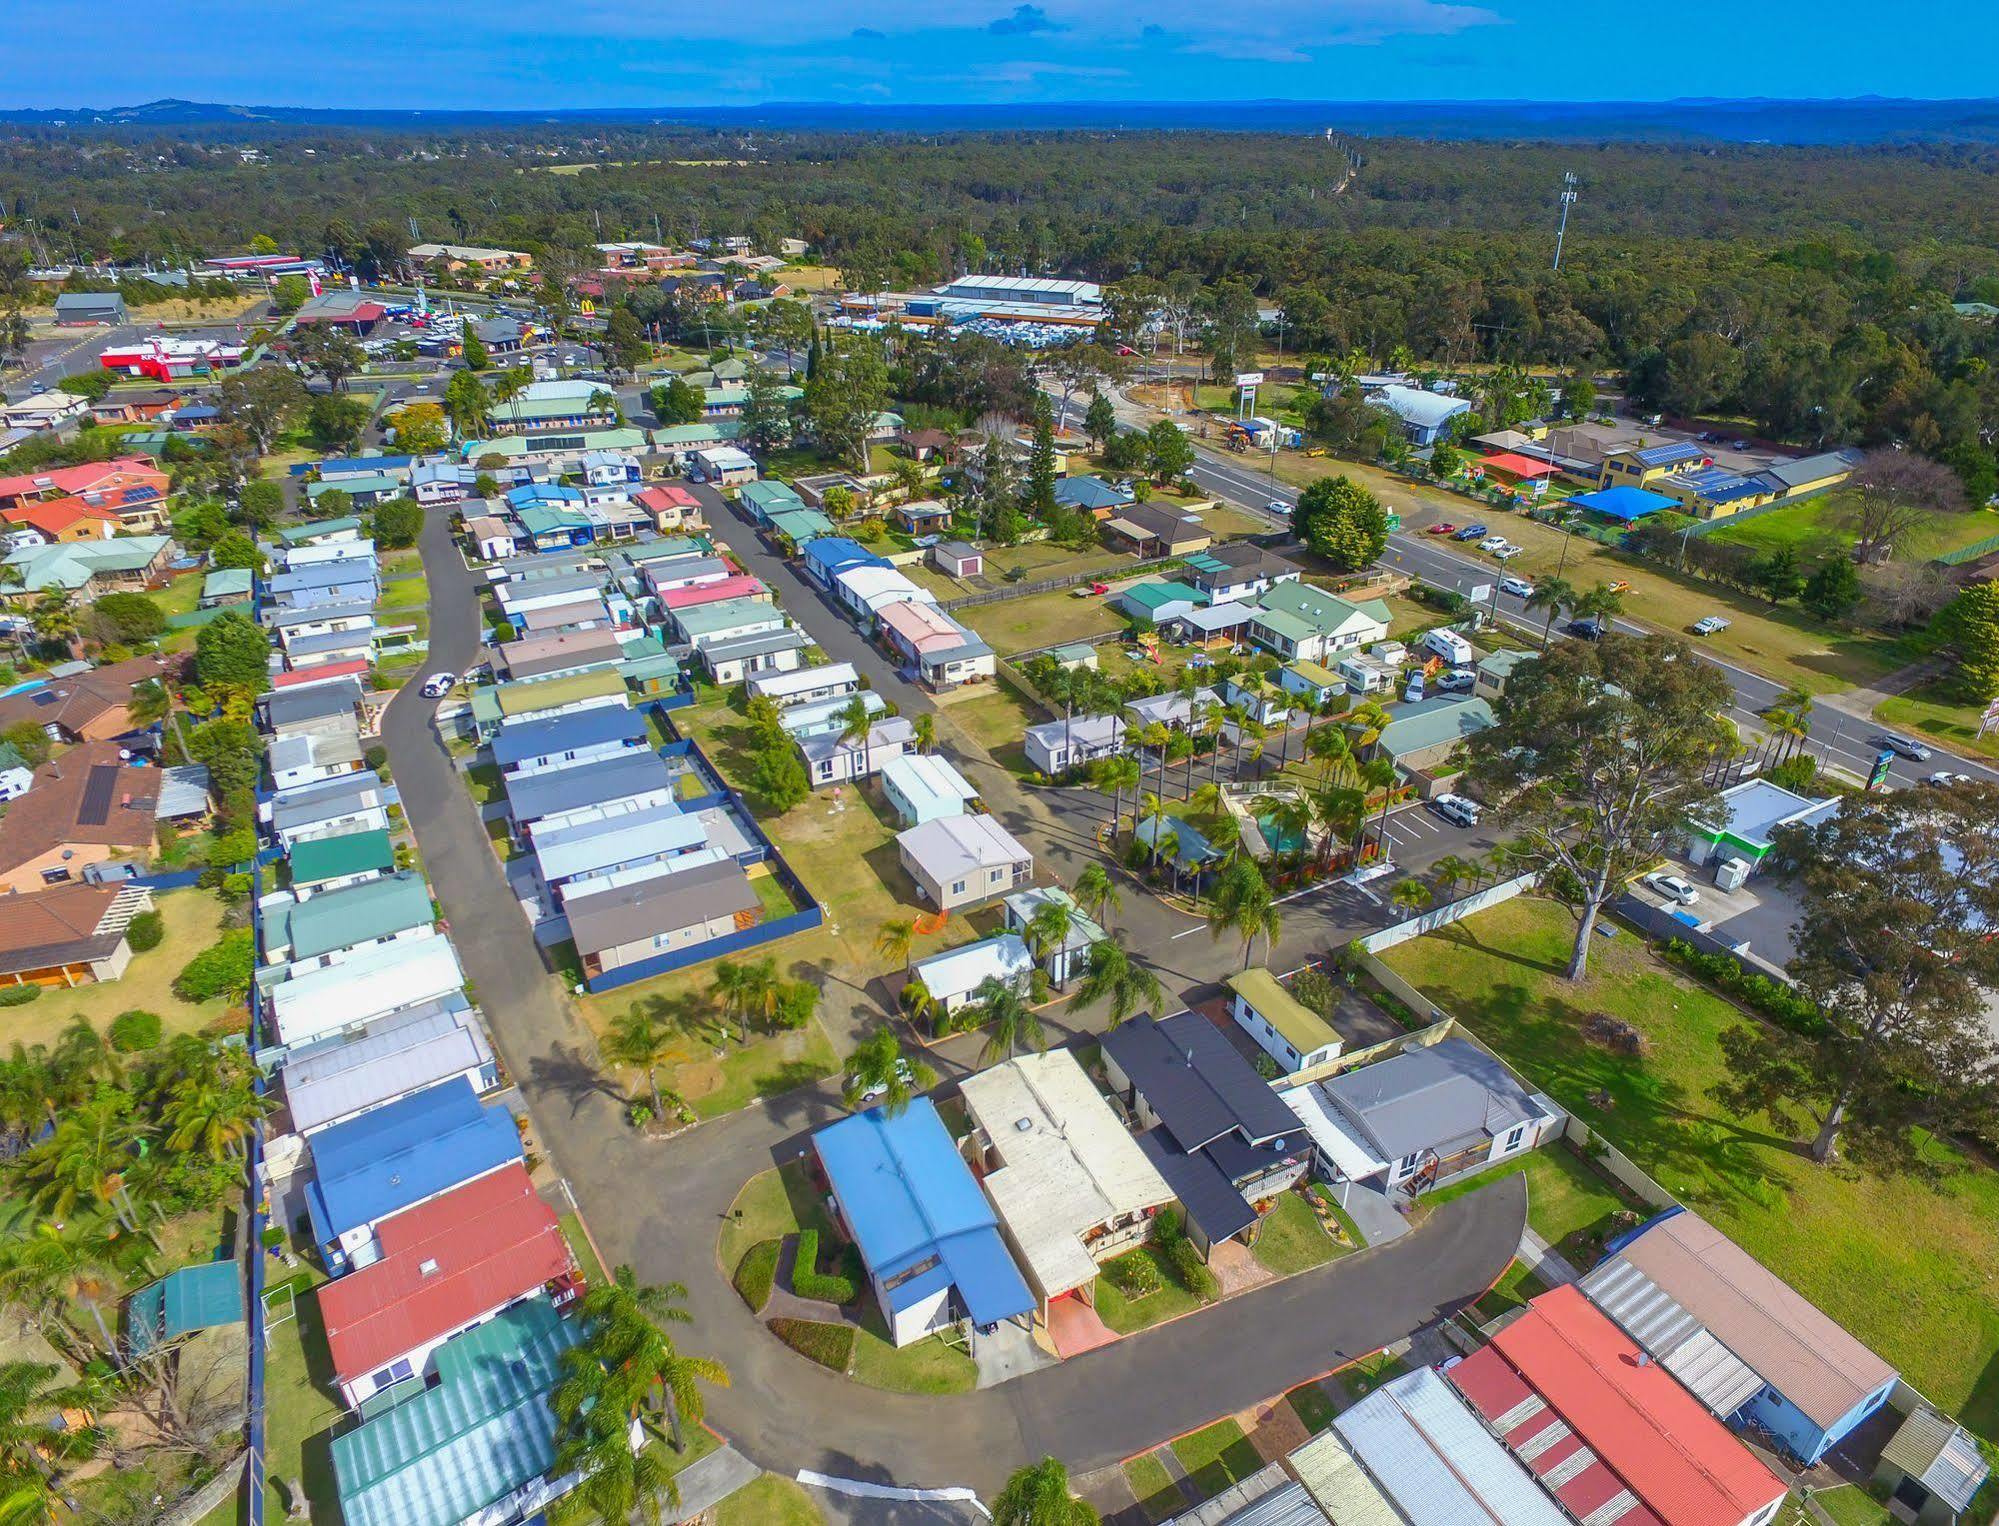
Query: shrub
x,y
376,757
236,887
807,1281
1193,1271
1759,993
220,970
1135,1275
18,996
1315,990
132,1032
828,1345
145,931
756,1273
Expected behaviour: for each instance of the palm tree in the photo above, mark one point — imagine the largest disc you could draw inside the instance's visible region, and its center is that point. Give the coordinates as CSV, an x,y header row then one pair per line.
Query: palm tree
x,y
925,729
1244,905
1411,895
1113,776
1790,718
1039,1496
1377,774
1010,1021
1048,935
857,725
31,1448
743,989
1338,810
1291,814
878,1067
1449,872
1096,893
916,998
893,940
1598,602
52,1268
1334,750
87,1156
54,619
1154,811
640,1041
216,1117
1114,975
1554,595
626,1370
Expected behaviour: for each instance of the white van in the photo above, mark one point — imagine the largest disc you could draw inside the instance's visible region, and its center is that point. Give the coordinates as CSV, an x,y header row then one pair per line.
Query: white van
x,y
1449,645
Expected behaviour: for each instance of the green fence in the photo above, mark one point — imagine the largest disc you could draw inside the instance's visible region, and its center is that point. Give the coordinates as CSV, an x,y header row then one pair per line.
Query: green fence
x,y
1969,553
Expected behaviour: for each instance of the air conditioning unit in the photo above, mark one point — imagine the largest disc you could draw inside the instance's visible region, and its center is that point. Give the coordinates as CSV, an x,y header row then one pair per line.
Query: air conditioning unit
x,y
1730,873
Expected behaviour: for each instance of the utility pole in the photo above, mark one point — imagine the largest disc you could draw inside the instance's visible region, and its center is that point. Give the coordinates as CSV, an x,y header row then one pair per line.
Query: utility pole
x,y
1561,231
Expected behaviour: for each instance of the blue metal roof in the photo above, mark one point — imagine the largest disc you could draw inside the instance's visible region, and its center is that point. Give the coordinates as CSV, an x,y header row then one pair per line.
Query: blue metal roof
x,y
533,493
909,1196
1089,493
533,796
1718,484
1625,503
830,555
520,740
401,1154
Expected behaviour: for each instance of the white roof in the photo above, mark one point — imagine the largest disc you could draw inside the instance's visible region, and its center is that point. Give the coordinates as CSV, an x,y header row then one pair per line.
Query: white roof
x,y
396,975
385,1060
960,971
1350,1154
875,586
727,457
923,777
1068,1166
1437,1461
803,680
952,846
1415,406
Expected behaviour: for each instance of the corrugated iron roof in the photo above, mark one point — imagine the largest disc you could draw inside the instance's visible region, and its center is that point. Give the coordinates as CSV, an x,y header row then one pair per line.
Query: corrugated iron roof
x,y
1648,1314
1940,1455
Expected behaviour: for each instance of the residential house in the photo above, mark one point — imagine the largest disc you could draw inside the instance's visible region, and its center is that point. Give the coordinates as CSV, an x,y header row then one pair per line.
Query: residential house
x,y
928,1239
728,620
693,595
1055,747
1423,737
1263,701
1421,1118
1158,529
922,516
1577,1402
961,861
338,705
92,480
766,498
865,591
1299,620
445,1266
351,1073
794,527
955,559
1208,625
723,465
805,686
89,569
952,979
1314,685
668,506
86,807
495,703
556,655
834,758
1492,672
1067,959
1424,416
333,862
923,444
1424,1448
1092,496
1072,1188
337,926
314,1003
1284,1028
609,844
828,556
921,787
43,410
362,492
734,661
639,778
353,802
92,706
1175,711
56,521
1225,1142
552,743
396,1157
16,778
676,913
227,585
945,653
68,935
830,717
307,757
348,582
1237,571
551,405
1745,1343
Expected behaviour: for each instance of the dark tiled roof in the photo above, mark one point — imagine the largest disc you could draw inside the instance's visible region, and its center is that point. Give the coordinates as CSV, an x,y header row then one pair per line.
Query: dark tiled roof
x,y
1196,1081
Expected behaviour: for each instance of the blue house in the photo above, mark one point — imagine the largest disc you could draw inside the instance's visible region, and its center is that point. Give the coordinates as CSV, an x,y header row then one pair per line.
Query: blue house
x,y
827,556
396,1156
927,1235
1746,1344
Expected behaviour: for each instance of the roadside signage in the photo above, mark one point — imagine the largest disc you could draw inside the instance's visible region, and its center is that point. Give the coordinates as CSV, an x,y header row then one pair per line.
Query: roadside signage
x,y
1879,775
1989,721
1249,378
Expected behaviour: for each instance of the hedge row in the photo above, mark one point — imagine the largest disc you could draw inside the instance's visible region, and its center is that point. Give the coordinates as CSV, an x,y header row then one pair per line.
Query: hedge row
x,y
828,1345
807,1281
756,1273
1775,1000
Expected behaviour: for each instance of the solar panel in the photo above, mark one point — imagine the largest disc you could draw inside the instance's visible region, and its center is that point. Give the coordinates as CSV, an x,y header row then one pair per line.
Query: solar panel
x,y
98,792
47,697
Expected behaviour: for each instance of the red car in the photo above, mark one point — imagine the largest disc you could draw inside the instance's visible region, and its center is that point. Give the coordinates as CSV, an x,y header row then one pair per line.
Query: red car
x,y
1444,527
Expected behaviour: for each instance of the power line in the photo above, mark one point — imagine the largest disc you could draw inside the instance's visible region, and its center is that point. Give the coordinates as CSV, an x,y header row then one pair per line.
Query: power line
x,y
1561,231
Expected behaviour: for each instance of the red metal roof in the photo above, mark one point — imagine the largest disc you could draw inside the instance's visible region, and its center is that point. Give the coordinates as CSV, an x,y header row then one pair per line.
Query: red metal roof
x,y
1561,1380
135,470
1517,466
320,674
741,586
668,496
444,1263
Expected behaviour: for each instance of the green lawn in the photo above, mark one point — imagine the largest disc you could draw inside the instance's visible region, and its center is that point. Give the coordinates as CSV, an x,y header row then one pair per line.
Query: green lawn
x,y
1362,1378
486,783
997,720
1125,1315
772,1204
1312,1405
1929,711
1907,1267
932,1366
1569,1204
301,1407
772,896
1153,1487
1516,1286
1041,619
1812,528
768,1501
404,593
582,1250
1851,1505
1291,1239
1216,1457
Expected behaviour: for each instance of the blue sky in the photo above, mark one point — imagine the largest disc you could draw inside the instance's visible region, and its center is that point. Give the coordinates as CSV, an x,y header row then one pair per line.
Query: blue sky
x,y
569,54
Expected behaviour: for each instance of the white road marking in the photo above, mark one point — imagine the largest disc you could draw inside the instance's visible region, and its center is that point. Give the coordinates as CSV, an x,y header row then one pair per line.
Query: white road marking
x,y
860,1488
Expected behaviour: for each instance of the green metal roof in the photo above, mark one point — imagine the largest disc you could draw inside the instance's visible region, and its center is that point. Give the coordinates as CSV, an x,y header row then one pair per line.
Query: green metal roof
x,y
540,519
359,914
293,535
1158,595
379,482
1431,722
227,580
529,695
800,524
770,494
481,1432
1302,1028
193,1298
1323,613
331,858
650,668
694,434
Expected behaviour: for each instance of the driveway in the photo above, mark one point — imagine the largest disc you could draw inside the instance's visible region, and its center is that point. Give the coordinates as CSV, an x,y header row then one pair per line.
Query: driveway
x,y
660,1206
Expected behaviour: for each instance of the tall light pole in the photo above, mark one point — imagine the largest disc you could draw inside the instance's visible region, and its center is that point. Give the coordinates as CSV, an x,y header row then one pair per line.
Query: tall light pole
x,y
1568,200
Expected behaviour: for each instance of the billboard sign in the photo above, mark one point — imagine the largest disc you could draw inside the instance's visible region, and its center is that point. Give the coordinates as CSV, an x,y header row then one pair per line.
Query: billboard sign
x,y
1249,378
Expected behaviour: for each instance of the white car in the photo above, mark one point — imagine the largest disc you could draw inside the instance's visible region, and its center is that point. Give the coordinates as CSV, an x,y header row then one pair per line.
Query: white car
x,y
1520,588
1709,625
1456,681
1672,888
1508,552
1456,809
879,1090
1947,780
1492,543
438,685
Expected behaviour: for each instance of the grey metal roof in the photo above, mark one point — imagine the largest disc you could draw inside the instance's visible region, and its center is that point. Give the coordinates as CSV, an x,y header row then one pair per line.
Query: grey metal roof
x,y
388,1058
1197,1081
1267,1497
331,641
327,798
1210,1198
790,639
638,911
183,791
533,796
1432,1098
1688,1349
311,614
292,707
518,741
1940,1455
626,838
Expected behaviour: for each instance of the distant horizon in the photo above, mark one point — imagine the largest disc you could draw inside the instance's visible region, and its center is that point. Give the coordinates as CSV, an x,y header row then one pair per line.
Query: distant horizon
x,y
512,56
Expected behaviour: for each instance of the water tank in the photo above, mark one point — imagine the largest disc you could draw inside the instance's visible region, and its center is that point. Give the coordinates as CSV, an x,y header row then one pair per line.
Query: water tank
x,y
1730,873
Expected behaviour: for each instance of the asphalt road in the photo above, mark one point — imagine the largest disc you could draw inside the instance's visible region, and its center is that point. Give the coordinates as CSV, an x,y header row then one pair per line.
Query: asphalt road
x,y
660,1206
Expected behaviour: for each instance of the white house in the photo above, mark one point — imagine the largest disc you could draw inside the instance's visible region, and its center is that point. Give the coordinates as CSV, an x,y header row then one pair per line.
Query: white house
x,y
833,759
805,686
952,976
1287,1030
1055,747
923,786
963,860
865,590
400,974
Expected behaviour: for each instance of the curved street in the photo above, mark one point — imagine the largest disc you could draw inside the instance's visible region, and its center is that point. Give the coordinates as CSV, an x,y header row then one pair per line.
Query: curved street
x,y
660,1206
